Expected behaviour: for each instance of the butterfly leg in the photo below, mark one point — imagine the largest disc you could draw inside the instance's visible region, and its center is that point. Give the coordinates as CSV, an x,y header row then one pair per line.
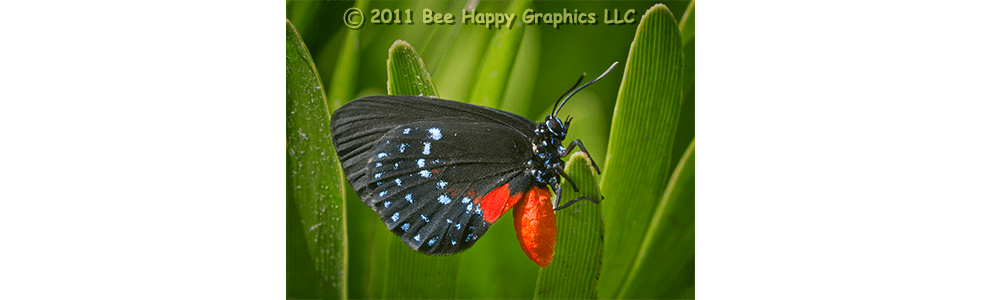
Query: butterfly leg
x,y
576,143
570,202
563,173
559,194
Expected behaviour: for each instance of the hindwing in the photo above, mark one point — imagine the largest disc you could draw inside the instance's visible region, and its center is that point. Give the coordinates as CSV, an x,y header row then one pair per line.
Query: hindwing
x,y
424,164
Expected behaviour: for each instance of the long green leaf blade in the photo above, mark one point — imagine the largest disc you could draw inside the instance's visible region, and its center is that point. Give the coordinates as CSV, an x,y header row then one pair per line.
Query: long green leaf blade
x,y
302,13
343,82
492,76
688,22
455,71
521,82
669,246
314,173
576,265
410,274
687,118
639,150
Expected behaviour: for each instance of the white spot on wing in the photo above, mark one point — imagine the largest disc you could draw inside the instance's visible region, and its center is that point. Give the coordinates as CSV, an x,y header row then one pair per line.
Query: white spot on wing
x,y
402,147
425,218
424,173
409,197
431,242
382,194
435,133
469,207
383,154
420,163
405,227
444,199
377,175
465,200
398,182
395,216
387,203
426,149
406,131
441,184
416,237
378,165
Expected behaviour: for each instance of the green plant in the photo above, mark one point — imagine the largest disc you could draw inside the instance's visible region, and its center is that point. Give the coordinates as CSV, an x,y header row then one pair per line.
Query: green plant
x,y
641,245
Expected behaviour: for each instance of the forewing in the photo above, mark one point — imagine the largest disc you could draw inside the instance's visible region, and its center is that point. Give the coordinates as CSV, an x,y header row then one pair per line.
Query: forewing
x,y
422,163
358,126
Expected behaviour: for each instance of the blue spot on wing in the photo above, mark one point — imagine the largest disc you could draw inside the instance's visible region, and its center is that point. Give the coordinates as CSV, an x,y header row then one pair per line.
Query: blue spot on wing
x,y
435,133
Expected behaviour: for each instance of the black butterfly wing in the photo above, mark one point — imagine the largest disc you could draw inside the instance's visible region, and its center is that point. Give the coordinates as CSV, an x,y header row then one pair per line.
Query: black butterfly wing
x,y
421,163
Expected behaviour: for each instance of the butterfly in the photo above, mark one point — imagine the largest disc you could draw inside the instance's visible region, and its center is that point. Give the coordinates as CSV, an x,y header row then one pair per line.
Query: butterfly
x,y
440,172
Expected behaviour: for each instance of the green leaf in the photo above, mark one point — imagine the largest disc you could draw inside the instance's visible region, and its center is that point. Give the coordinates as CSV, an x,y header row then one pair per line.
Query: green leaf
x,y
407,73
343,82
410,274
690,292
413,275
456,65
687,119
669,247
641,135
688,23
303,13
521,82
493,74
314,173
576,265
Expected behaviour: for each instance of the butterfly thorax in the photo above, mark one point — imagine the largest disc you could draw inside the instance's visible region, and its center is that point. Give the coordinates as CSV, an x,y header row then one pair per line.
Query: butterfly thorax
x,y
548,148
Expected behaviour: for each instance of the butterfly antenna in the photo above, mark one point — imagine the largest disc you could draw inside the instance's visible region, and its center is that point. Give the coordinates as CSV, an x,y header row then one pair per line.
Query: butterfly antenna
x,y
567,92
585,85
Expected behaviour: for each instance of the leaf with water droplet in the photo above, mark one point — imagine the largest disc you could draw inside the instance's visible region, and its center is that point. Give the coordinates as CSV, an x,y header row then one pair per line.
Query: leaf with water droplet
x,y
326,246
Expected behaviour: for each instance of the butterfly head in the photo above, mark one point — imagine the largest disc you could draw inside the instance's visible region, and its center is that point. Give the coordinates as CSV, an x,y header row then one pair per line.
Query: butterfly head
x,y
553,126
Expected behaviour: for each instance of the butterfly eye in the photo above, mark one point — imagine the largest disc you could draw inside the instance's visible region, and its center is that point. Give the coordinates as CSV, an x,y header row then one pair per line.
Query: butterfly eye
x,y
555,126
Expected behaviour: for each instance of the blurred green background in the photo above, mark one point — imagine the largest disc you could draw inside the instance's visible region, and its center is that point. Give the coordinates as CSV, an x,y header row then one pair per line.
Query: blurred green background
x,y
548,62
